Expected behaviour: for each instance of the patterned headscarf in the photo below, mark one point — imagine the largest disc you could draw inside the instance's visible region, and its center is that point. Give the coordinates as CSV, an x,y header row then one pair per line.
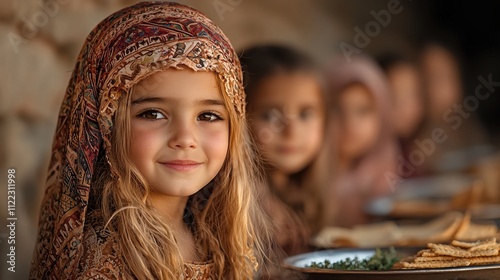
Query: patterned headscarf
x,y
123,49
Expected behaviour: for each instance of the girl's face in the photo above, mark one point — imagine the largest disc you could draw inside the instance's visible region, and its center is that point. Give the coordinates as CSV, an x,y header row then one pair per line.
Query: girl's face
x,y
359,121
287,119
179,131
408,109
442,79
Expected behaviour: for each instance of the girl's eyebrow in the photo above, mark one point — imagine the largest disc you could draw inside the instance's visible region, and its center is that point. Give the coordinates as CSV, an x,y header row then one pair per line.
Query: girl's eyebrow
x,y
140,100
148,100
217,102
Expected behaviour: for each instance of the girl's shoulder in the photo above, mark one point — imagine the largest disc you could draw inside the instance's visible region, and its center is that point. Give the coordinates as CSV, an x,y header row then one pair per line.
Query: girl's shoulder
x,y
101,256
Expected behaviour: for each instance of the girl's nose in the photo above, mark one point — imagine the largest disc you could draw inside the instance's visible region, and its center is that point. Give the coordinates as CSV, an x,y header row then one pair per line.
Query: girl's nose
x,y
182,136
290,127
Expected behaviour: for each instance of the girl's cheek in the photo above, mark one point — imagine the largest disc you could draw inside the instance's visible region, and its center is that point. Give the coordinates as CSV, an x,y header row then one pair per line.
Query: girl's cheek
x,y
319,130
370,128
142,134
143,140
315,132
216,140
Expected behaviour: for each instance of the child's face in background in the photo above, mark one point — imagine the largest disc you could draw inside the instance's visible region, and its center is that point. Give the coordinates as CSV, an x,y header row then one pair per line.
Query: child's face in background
x,y
359,121
179,131
442,79
407,108
287,118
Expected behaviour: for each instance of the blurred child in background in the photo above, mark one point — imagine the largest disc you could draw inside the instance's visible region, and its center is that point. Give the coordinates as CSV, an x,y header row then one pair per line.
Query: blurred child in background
x,y
286,107
407,100
364,150
446,110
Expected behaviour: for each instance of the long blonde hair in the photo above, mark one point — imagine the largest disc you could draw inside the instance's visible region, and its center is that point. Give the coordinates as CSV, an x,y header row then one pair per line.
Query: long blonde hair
x,y
230,227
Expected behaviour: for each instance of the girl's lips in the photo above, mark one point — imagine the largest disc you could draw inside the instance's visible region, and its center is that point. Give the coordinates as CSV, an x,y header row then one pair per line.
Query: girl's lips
x,y
181,165
288,150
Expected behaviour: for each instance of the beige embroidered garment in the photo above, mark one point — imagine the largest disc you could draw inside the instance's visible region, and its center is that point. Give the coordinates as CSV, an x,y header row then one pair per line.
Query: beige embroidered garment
x,y
126,47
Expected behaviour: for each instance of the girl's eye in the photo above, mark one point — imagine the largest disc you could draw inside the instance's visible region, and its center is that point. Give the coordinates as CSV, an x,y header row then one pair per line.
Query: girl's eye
x,y
152,115
272,116
306,114
209,117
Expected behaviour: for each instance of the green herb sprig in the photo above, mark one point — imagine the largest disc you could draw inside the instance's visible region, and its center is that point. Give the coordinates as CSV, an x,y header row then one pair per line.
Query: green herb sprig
x,y
381,260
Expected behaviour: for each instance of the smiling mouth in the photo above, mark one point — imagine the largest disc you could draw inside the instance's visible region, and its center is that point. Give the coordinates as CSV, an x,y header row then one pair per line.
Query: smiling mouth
x,y
288,150
181,165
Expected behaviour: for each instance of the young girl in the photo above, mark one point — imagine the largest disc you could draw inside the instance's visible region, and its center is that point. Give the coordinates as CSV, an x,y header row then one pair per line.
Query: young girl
x,y
287,118
446,109
364,146
152,174
407,100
